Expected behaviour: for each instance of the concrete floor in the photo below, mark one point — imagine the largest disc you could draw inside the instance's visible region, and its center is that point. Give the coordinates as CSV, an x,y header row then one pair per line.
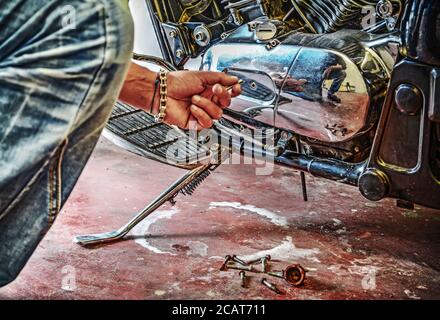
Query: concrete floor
x,y
353,248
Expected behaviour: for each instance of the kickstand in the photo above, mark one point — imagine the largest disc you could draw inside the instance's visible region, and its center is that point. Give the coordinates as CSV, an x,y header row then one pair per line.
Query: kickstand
x,y
168,195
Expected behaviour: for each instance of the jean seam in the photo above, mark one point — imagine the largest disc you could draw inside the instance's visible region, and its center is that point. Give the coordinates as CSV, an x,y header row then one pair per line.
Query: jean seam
x,y
55,182
27,186
50,187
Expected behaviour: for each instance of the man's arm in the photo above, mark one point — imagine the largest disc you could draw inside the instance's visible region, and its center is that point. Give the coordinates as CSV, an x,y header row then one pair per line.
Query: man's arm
x,y
138,87
198,96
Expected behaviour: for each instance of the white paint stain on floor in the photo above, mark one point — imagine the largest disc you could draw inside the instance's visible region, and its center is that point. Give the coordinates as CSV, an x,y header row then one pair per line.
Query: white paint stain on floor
x,y
273,217
286,251
143,228
197,248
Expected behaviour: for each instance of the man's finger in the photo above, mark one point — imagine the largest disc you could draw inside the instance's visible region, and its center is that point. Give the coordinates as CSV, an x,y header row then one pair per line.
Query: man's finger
x,y
222,94
212,78
193,124
212,109
202,117
236,90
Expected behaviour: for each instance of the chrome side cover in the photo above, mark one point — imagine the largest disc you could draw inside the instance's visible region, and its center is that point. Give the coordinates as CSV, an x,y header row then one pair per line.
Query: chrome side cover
x,y
319,86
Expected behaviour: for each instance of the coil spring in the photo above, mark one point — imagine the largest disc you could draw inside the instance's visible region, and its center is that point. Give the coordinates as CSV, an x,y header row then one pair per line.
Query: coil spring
x,y
190,188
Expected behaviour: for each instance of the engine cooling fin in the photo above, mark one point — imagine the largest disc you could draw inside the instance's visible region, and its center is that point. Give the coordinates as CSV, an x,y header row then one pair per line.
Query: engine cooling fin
x,y
332,15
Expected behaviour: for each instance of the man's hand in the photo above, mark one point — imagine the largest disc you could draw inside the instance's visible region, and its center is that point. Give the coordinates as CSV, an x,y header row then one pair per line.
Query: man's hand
x,y
199,96
194,97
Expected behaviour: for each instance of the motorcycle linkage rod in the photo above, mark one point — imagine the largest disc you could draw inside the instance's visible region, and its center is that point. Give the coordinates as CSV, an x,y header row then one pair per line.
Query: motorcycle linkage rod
x,y
302,174
186,183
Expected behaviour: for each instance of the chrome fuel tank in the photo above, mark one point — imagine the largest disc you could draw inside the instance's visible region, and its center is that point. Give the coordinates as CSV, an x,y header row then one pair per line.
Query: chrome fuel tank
x,y
325,87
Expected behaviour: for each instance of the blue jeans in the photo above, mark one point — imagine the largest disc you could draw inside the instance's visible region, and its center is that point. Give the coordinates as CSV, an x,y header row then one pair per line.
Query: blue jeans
x,y
62,64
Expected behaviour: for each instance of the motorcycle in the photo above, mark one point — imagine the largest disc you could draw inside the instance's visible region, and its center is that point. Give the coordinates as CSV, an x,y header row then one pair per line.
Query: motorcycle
x,y
347,90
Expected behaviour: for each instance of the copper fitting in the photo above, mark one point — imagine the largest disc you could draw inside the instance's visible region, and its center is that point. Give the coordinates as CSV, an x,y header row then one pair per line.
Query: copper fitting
x,y
295,275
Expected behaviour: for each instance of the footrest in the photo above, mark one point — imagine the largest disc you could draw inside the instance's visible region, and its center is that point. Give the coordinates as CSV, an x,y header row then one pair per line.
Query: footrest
x,y
137,131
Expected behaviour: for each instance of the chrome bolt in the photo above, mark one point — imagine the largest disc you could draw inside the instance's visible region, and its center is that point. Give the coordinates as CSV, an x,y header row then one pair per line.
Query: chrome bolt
x,y
384,8
200,36
239,261
244,268
271,286
179,53
252,26
264,264
391,23
224,265
268,257
172,33
243,278
278,274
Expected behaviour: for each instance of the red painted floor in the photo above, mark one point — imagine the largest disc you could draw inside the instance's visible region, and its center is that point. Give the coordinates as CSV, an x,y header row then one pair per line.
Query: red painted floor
x,y
354,249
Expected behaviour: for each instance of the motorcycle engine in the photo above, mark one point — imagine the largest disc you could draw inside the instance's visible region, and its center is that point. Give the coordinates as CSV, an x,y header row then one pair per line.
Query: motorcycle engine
x,y
192,26
316,68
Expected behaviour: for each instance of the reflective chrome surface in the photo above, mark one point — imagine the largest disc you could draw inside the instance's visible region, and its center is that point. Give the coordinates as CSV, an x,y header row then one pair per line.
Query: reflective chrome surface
x,y
319,93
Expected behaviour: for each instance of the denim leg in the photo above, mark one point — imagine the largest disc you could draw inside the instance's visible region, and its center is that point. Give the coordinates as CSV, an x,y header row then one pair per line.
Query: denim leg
x,y
62,64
